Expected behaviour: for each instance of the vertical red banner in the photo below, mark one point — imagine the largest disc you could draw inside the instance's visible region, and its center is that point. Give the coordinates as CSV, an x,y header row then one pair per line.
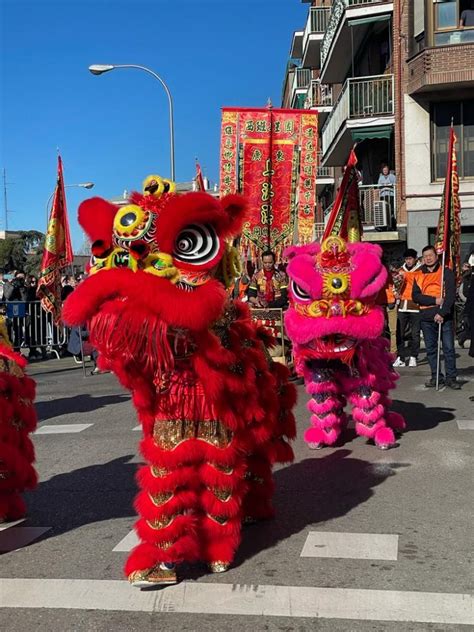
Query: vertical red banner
x,y
269,155
228,164
285,141
307,179
255,178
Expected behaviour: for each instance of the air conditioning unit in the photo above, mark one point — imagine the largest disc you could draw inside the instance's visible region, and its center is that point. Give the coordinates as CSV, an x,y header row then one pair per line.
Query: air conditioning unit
x,y
381,214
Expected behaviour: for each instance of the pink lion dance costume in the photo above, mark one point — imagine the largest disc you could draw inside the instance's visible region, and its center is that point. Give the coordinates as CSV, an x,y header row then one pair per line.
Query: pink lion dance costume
x,y
215,410
336,331
17,421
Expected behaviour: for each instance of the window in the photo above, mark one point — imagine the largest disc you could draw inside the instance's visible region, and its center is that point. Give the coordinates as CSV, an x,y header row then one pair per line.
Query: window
x,y
447,17
462,113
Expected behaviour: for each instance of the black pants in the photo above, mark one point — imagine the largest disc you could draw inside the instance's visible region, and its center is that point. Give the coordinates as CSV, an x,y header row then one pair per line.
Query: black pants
x,y
405,318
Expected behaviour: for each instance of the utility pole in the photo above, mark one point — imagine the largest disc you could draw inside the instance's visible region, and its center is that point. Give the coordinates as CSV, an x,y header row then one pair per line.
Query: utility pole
x,y
5,201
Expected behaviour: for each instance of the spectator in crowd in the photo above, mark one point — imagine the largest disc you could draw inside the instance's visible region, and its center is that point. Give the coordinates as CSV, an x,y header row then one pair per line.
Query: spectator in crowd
x,y
467,17
240,288
468,294
387,182
408,311
2,287
436,309
68,284
268,287
15,292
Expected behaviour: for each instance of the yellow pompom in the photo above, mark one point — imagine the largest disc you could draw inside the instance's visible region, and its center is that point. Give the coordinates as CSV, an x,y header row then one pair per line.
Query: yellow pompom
x,y
156,185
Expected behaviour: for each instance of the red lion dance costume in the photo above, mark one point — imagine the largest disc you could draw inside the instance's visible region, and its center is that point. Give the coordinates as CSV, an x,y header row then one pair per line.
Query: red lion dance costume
x,y
214,409
17,421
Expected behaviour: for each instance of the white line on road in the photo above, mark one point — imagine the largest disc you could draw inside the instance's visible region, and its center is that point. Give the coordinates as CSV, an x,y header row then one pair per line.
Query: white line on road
x,y
465,424
8,525
62,428
127,543
137,429
356,546
241,599
18,537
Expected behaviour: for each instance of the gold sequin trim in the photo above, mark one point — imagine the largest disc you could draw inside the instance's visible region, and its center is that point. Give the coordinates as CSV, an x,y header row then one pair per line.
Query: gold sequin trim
x,y
165,545
222,494
158,472
160,498
169,434
219,519
161,523
225,469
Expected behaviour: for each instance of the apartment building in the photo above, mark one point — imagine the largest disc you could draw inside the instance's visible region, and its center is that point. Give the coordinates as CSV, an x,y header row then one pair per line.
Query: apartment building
x,y
386,75
436,85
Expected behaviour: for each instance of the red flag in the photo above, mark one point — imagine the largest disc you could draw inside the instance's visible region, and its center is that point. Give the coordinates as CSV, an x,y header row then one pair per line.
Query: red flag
x,y
57,252
199,180
449,224
345,218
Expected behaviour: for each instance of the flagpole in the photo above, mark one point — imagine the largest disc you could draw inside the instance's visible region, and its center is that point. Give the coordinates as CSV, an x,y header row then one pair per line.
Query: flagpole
x,y
438,357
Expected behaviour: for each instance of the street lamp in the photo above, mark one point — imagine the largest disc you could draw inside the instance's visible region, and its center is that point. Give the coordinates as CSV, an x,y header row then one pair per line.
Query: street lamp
x,y
82,185
99,69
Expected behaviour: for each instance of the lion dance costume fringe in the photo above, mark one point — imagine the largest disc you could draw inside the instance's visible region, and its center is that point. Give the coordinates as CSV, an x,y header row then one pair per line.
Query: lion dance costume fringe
x,y
17,421
336,329
215,411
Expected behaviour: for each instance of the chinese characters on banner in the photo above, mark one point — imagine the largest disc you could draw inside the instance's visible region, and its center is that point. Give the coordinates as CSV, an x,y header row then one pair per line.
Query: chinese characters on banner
x,y
269,155
448,232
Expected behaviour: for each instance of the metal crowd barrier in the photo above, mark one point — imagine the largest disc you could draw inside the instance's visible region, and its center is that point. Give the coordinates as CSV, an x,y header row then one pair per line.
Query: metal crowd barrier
x,y
30,326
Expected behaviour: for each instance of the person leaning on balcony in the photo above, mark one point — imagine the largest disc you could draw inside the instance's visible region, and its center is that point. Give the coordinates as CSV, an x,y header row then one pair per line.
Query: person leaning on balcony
x,y
387,181
408,311
467,17
437,309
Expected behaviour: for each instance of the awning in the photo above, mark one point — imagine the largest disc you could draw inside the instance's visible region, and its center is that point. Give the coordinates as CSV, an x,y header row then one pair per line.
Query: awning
x,y
369,20
379,131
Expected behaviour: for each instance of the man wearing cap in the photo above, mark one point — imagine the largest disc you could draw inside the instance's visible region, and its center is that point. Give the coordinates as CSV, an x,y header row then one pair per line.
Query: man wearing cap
x,y
408,312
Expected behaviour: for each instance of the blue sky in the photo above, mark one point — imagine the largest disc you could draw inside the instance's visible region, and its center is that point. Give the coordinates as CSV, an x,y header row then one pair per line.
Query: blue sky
x,y
113,129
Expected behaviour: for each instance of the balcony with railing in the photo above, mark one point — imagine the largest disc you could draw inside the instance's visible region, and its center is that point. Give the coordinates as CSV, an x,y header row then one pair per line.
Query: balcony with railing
x,y
364,102
301,82
323,172
347,26
313,36
319,97
378,204
378,208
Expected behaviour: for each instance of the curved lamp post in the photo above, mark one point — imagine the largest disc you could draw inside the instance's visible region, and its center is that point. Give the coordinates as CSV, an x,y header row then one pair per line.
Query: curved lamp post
x,y
99,69
82,185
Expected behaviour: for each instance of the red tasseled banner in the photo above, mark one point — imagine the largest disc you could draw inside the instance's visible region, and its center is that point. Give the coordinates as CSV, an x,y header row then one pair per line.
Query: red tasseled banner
x,y
123,335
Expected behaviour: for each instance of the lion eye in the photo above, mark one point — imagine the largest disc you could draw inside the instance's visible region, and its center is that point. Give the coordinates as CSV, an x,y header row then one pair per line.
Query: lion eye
x,y
299,292
196,244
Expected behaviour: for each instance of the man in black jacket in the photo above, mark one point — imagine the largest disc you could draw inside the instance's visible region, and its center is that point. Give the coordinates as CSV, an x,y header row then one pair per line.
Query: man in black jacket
x,y
436,301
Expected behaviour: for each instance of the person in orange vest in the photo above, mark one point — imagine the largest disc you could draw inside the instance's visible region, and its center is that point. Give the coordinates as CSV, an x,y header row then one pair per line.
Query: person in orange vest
x,y
408,311
387,299
436,308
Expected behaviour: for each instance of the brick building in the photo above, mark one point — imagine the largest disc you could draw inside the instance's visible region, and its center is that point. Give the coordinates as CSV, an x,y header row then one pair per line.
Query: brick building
x,y
387,76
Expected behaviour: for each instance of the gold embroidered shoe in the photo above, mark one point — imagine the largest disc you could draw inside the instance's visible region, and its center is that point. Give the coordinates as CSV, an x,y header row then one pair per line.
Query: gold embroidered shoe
x,y
218,566
159,575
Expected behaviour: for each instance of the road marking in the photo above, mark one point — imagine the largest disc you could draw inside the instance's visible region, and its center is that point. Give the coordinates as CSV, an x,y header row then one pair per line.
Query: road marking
x,y
356,546
240,599
137,429
17,537
62,428
465,424
127,543
8,525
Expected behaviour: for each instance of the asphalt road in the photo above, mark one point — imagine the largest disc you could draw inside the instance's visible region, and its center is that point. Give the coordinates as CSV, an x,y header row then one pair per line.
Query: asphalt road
x,y
386,537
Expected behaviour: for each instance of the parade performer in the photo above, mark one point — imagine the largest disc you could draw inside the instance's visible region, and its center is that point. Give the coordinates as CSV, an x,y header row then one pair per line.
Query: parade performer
x,y
215,411
17,421
336,327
